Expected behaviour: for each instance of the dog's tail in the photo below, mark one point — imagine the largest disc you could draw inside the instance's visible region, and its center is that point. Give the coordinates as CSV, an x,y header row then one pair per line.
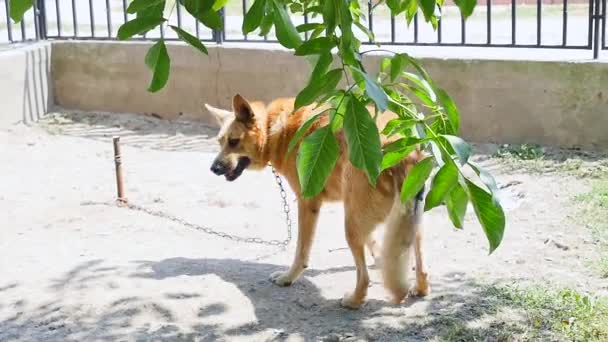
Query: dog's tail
x,y
401,227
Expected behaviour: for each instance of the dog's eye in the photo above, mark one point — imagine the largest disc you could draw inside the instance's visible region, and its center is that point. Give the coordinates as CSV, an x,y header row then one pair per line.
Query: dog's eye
x,y
233,142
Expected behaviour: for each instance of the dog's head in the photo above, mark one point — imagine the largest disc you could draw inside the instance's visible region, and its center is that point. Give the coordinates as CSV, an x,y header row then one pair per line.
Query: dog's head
x,y
241,139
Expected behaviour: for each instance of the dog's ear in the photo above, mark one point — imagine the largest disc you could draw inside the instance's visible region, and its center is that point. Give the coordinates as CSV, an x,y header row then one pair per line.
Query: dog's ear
x,y
220,115
242,109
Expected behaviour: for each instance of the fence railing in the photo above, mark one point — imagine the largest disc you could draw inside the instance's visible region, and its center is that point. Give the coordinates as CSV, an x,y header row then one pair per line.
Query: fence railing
x,y
555,24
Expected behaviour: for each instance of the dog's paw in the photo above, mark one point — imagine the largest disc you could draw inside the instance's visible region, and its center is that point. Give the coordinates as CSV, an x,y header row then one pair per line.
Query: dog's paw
x,y
419,291
351,302
281,278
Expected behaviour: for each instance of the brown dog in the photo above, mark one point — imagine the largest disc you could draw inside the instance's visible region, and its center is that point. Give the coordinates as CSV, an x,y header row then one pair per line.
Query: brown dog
x,y
253,135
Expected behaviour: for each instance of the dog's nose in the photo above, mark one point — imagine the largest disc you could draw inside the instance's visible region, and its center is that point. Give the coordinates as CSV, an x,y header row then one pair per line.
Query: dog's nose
x,y
218,168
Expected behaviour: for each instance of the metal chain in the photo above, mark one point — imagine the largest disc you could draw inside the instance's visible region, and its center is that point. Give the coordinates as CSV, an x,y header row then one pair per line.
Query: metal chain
x,y
211,231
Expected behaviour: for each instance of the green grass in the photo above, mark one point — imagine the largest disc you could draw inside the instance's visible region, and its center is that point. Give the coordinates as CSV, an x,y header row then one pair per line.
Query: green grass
x,y
574,315
594,213
535,313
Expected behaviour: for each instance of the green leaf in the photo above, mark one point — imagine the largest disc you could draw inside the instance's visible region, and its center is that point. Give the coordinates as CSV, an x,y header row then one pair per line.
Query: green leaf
x,y
411,8
286,33
489,213
385,63
253,17
321,66
317,158
157,59
138,5
336,117
309,27
466,7
266,24
138,25
487,179
329,16
443,182
190,39
422,85
303,129
316,88
461,147
428,8
321,45
415,179
456,203
370,35
195,7
373,90
450,109
396,6
211,19
398,62
397,150
219,4
363,139
397,125
18,8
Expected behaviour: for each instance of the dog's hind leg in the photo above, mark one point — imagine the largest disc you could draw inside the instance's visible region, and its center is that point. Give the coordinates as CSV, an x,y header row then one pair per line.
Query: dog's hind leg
x,y
357,233
374,248
308,214
422,287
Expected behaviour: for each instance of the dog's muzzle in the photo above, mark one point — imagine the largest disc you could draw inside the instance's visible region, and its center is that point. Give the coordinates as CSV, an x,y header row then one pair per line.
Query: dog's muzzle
x,y
219,168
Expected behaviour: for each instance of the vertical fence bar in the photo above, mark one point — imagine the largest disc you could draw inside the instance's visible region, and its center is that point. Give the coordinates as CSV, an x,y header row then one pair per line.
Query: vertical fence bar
x,y
392,29
590,33
370,17
439,31
513,22
245,12
565,23
74,18
36,7
596,36
416,28
58,15
463,30
306,22
197,28
124,11
218,35
178,8
92,18
604,24
539,13
40,19
22,26
489,21
109,18
9,25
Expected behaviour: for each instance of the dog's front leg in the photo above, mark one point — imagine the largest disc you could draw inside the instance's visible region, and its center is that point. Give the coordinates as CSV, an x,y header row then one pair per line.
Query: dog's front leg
x,y
308,213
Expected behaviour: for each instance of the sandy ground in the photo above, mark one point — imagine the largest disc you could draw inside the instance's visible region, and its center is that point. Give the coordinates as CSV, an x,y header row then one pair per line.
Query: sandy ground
x,y
75,272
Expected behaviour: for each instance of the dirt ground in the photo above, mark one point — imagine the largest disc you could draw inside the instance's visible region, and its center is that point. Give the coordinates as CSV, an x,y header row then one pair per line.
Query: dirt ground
x,y
71,271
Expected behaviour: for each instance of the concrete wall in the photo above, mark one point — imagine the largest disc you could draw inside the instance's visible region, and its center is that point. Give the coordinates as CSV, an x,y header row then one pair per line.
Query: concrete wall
x,y
25,83
557,103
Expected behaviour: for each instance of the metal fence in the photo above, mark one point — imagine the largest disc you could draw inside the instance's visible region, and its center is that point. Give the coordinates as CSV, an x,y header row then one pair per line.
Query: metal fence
x,y
568,24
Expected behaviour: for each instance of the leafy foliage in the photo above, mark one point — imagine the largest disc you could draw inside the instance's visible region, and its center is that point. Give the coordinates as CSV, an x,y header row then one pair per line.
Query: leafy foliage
x,y
426,116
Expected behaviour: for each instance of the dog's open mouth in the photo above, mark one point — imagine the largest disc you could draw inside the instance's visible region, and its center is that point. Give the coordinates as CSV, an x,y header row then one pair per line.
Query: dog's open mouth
x,y
241,165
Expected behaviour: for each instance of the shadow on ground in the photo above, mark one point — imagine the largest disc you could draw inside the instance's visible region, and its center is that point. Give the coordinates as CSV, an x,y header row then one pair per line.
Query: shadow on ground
x,y
456,311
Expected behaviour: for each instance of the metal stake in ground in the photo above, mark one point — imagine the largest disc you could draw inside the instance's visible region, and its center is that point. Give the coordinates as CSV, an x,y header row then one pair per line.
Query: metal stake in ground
x,y
121,199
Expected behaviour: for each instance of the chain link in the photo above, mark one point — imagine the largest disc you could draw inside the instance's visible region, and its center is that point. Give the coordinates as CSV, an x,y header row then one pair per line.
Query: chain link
x,y
211,231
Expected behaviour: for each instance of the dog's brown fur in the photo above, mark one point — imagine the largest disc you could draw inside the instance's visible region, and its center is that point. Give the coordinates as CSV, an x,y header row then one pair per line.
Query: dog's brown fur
x,y
258,135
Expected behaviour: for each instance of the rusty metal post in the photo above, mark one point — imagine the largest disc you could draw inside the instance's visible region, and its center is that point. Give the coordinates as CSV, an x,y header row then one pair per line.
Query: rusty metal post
x,y
118,163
